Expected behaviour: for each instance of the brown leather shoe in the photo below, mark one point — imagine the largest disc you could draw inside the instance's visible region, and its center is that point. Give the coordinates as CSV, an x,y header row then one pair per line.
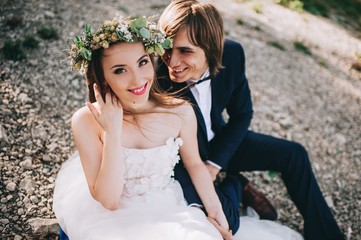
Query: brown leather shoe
x,y
258,201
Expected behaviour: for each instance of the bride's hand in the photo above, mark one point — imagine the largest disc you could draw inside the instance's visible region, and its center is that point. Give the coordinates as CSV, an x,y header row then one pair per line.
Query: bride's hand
x,y
226,234
109,114
217,215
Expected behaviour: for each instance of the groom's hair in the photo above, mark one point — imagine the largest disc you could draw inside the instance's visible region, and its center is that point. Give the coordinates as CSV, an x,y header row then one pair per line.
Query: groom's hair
x,y
205,28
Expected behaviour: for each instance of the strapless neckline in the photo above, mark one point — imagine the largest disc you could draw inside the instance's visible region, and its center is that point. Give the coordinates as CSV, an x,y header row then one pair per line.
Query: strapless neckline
x,y
170,141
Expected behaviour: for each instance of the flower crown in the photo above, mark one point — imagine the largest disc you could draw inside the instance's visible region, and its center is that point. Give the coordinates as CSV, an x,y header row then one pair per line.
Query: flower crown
x,y
128,30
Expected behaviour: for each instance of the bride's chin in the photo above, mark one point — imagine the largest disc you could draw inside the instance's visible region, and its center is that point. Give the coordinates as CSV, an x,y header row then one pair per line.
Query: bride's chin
x,y
137,104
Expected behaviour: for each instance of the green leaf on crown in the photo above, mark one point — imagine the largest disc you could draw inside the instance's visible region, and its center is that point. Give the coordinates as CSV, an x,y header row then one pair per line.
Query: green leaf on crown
x,y
150,49
138,24
168,43
86,54
145,33
159,49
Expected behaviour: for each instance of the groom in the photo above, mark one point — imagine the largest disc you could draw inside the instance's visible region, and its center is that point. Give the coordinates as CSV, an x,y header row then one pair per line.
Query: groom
x,y
210,72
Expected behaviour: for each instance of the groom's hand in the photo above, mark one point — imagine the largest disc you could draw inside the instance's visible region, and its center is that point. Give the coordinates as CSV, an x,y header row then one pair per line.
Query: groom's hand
x,y
213,171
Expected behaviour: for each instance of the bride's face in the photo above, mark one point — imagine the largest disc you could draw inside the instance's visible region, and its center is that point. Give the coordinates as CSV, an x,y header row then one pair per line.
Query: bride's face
x,y
129,72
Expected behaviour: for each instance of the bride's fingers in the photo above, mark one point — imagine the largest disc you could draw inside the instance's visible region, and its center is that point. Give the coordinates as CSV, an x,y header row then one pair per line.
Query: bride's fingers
x,y
226,234
108,98
115,100
97,95
92,109
221,220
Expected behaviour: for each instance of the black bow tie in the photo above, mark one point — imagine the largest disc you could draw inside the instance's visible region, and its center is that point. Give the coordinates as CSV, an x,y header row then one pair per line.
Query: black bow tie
x,y
186,88
199,81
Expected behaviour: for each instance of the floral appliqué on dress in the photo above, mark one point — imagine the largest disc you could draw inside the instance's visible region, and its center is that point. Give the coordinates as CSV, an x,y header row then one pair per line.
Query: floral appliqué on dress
x,y
150,170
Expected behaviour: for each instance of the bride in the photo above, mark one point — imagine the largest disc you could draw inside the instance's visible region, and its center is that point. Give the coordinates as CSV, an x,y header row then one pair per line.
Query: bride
x,y
119,184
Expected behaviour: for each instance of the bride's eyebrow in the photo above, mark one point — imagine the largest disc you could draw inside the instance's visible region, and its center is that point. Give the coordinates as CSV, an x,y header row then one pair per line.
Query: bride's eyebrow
x,y
123,65
141,58
118,65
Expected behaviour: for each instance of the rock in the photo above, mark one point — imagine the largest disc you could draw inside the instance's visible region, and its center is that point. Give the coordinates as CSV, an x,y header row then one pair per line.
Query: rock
x,y
23,97
18,237
33,62
26,164
27,184
11,186
4,221
49,14
3,136
34,199
39,132
329,201
341,139
286,122
26,200
20,211
47,158
44,210
43,227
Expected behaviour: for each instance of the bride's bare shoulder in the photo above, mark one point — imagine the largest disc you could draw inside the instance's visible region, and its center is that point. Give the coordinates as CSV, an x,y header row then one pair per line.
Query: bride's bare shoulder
x,y
83,116
184,108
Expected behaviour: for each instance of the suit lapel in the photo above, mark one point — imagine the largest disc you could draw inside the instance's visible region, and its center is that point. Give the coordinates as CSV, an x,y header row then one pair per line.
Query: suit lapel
x,y
218,92
198,113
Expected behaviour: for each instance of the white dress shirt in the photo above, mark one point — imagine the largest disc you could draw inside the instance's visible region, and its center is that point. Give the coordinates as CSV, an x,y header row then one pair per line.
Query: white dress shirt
x,y
203,95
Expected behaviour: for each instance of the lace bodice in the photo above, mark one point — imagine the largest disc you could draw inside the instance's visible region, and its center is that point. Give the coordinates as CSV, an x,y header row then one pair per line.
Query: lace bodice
x,y
149,170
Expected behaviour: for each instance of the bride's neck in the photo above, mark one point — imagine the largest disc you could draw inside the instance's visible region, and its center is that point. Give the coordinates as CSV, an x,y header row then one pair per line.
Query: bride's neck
x,y
138,108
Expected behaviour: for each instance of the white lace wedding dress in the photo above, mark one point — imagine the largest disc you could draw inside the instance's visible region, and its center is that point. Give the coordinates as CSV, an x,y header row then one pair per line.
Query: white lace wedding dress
x,y
152,204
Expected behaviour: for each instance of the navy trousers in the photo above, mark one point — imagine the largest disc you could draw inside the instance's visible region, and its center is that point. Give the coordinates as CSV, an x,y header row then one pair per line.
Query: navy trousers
x,y
290,159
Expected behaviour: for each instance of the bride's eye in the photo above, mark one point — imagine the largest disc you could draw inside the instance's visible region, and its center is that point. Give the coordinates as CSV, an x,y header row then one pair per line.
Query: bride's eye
x,y
119,71
143,62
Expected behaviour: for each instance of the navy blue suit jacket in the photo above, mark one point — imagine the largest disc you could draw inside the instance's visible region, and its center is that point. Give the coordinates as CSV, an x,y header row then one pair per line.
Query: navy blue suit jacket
x,y
230,91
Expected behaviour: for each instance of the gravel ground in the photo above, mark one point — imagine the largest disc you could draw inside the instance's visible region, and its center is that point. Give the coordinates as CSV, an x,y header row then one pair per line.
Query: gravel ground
x,y
313,99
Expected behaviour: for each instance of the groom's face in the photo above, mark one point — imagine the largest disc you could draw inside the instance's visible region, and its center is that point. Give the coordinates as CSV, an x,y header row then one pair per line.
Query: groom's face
x,y
185,61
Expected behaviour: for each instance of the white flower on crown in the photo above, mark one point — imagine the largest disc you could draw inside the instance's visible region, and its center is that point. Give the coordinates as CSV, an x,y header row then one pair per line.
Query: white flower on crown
x,y
128,36
159,38
152,26
123,28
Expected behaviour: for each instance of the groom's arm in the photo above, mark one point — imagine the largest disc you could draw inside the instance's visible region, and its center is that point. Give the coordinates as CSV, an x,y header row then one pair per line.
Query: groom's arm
x,y
189,191
233,93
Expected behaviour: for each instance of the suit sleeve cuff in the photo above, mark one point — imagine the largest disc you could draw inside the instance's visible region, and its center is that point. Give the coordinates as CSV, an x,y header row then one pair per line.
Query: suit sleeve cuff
x,y
214,164
196,205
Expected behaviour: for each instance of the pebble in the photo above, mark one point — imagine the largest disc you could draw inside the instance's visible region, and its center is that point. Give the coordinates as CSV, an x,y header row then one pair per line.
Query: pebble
x,y
47,158
3,135
11,186
4,221
34,199
26,164
20,211
329,201
27,184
